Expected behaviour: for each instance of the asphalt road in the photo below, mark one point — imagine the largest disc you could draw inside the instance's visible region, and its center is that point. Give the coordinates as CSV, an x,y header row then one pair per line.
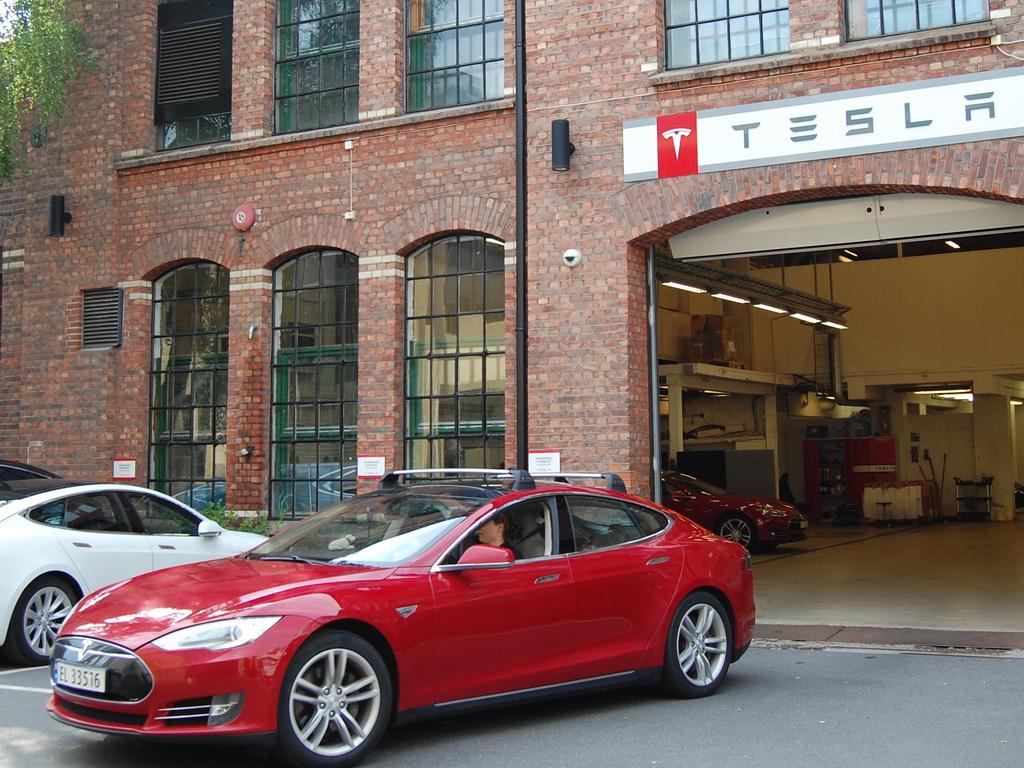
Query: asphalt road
x,y
789,706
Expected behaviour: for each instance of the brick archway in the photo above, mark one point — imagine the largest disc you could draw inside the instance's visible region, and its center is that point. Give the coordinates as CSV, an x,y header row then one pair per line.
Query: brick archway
x,y
653,211
440,215
179,246
301,233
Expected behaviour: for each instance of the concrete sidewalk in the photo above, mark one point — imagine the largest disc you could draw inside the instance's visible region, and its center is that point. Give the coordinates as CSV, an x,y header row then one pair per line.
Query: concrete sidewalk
x,y
952,584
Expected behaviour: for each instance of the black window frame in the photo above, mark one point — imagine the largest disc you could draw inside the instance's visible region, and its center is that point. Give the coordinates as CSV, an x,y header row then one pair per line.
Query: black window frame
x,y
209,116
340,11
853,17
764,8
289,490
419,362
491,23
206,371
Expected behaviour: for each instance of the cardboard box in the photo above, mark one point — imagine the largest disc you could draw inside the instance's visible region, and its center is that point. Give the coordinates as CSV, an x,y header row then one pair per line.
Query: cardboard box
x,y
711,324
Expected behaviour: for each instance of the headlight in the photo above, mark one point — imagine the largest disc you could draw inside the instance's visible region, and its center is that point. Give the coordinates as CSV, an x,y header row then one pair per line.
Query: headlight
x,y
773,512
217,635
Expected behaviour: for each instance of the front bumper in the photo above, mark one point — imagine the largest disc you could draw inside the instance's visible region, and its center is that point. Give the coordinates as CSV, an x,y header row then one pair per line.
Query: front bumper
x,y
784,529
186,692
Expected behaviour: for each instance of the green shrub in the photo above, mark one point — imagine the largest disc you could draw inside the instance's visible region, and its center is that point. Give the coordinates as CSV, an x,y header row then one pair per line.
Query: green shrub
x,y
233,521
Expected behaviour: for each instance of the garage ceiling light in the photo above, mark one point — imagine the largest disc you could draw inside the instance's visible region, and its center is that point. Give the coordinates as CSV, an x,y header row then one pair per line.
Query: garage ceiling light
x,y
683,287
943,391
805,318
1017,402
953,244
745,289
966,396
729,297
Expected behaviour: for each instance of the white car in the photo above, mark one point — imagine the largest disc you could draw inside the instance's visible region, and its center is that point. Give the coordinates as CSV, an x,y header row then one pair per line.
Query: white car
x,y
60,540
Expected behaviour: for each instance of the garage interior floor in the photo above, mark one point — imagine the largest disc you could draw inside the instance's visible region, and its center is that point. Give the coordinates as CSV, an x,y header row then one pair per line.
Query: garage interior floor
x,y
947,584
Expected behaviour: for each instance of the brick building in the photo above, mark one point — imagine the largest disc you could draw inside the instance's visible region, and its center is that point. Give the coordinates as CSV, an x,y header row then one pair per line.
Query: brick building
x,y
369,309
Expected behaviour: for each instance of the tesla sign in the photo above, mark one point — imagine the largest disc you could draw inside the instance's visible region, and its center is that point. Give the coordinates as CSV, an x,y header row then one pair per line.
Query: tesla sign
x,y
946,110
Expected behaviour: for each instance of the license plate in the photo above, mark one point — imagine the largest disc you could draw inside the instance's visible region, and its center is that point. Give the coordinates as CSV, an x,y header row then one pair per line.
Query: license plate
x,y
83,678
803,523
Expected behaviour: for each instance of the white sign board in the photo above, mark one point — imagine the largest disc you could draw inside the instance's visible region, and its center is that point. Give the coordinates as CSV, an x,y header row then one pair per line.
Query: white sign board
x,y
370,467
545,461
928,113
124,469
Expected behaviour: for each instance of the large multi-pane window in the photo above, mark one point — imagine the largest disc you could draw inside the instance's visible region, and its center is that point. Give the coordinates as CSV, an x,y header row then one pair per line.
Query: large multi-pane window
x,y
706,31
189,383
455,53
317,83
316,357
874,18
455,354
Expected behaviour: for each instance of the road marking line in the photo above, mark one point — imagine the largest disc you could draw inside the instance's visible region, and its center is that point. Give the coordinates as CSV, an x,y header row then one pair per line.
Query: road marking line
x,y
25,688
19,670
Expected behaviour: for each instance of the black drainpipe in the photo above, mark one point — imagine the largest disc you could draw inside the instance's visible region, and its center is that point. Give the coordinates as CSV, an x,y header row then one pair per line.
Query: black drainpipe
x,y
522,449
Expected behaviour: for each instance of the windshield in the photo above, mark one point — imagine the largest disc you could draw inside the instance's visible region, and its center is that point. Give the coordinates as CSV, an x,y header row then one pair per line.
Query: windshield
x,y
383,529
688,481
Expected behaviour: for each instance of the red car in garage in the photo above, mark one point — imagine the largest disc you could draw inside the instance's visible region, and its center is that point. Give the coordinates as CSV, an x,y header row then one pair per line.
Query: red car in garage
x,y
388,608
754,522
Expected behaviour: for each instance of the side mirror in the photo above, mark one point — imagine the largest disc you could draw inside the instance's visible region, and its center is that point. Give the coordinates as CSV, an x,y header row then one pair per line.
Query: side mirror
x,y
484,556
209,529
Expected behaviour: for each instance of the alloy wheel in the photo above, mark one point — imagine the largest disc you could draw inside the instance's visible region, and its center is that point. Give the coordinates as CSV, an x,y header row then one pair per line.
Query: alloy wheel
x,y
738,530
44,614
334,702
702,644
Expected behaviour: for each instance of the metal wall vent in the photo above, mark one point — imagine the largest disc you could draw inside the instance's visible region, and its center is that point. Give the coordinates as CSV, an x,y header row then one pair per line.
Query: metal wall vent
x,y
102,310
191,59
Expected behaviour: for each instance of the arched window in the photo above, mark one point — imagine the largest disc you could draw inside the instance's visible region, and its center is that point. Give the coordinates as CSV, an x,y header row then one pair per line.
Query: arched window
x,y
189,384
315,388
455,354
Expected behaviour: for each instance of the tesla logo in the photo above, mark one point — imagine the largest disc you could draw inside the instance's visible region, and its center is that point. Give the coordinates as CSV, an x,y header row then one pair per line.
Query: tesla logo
x,y
675,135
677,145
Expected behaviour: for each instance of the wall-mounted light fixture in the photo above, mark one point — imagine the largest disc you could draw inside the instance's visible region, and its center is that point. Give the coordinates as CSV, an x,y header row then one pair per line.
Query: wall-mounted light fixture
x,y
561,148
58,216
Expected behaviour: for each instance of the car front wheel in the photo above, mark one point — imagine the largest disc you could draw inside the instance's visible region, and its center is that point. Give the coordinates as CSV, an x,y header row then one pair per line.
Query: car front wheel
x,y
699,647
37,618
738,529
335,702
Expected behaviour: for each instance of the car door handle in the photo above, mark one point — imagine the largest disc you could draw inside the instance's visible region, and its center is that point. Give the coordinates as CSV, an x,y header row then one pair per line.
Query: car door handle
x,y
166,546
82,544
657,560
546,579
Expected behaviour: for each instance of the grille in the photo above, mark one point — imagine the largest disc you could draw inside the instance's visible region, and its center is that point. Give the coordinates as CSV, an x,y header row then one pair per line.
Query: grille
x,y
101,318
128,678
121,718
190,63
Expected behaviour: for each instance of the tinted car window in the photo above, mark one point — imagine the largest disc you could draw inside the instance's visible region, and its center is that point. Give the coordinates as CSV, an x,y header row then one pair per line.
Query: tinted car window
x,y
160,518
49,514
95,512
601,522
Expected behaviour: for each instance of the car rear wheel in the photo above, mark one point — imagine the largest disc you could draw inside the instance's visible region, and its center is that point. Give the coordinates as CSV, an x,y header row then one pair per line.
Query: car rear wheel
x,y
699,647
335,702
739,529
37,618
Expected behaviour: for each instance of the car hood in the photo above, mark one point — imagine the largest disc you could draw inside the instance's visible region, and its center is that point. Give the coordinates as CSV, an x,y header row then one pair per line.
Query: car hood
x,y
761,503
139,610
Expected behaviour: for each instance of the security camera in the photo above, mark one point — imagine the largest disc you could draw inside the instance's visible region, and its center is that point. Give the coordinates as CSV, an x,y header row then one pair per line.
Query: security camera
x,y
572,257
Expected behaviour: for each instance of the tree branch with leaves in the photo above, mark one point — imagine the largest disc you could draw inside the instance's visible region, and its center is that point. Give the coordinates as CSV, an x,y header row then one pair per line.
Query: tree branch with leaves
x,y
41,52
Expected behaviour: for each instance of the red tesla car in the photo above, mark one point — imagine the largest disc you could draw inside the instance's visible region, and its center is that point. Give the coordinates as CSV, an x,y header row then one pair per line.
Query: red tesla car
x,y
387,608
754,522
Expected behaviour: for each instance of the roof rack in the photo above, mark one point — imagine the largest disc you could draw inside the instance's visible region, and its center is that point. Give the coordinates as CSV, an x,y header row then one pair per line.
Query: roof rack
x,y
521,480
612,481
